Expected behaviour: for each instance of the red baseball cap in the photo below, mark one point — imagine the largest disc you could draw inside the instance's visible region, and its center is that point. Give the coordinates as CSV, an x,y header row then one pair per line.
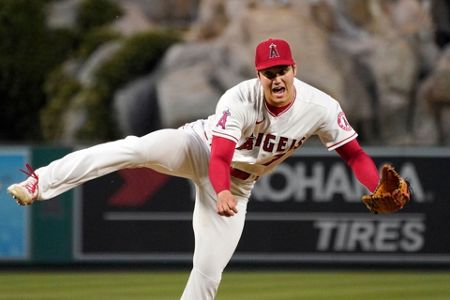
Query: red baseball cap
x,y
271,53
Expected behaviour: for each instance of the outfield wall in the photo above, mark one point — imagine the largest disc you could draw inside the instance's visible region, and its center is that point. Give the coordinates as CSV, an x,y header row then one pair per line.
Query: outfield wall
x,y
307,211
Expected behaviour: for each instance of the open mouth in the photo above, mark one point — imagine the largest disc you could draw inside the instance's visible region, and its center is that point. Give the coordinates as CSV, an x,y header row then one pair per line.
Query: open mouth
x,y
278,91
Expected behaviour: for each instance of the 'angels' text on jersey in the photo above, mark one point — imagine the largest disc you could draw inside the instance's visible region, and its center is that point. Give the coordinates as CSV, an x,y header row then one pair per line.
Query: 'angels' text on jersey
x,y
263,139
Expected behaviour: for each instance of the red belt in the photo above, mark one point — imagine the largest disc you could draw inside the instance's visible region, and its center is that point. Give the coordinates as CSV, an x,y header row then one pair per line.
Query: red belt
x,y
240,174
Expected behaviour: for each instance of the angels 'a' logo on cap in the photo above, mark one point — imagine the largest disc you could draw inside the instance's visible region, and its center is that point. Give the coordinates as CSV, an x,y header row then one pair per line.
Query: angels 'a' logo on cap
x,y
273,51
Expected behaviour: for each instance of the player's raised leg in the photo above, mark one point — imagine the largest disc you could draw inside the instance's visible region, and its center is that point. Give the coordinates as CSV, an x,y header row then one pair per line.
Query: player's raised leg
x,y
165,150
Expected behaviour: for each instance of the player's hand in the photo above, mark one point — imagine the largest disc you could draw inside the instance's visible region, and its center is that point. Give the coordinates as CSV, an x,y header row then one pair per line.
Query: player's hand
x,y
226,204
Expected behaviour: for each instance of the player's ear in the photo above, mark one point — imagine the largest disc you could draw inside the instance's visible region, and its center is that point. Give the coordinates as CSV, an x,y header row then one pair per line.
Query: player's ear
x,y
294,69
258,74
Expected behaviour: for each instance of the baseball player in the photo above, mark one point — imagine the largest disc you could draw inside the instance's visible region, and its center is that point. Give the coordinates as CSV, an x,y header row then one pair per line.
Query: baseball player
x,y
257,124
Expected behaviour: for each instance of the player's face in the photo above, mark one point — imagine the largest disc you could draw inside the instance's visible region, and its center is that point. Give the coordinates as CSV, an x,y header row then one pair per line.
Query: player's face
x,y
278,84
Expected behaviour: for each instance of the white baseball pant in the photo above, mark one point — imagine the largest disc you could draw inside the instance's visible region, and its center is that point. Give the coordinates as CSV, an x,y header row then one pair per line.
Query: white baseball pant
x,y
178,152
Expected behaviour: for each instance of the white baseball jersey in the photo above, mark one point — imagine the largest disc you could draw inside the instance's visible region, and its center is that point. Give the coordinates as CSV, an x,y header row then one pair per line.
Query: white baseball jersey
x,y
262,139
265,140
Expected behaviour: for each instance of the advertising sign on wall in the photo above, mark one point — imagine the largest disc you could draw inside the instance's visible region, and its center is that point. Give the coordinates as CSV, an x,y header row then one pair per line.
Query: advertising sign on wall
x,y
134,214
308,210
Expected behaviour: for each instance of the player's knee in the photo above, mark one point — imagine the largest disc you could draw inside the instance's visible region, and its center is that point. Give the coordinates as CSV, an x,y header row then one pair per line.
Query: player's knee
x,y
208,275
210,270
134,148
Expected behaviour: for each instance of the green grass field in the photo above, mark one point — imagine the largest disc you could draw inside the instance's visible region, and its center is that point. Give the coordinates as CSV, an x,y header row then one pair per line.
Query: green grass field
x,y
351,285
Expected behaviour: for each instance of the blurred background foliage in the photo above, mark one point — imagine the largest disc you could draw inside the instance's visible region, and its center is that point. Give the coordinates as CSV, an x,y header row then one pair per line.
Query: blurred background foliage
x,y
29,51
87,71
138,55
93,14
34,85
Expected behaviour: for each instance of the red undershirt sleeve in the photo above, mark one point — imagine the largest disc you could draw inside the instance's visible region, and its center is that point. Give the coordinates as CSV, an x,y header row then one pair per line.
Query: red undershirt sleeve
x,y
361,164
222,151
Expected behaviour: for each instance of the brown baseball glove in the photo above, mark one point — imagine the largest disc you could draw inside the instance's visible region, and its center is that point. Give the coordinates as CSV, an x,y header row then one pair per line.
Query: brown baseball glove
x,y
391,194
